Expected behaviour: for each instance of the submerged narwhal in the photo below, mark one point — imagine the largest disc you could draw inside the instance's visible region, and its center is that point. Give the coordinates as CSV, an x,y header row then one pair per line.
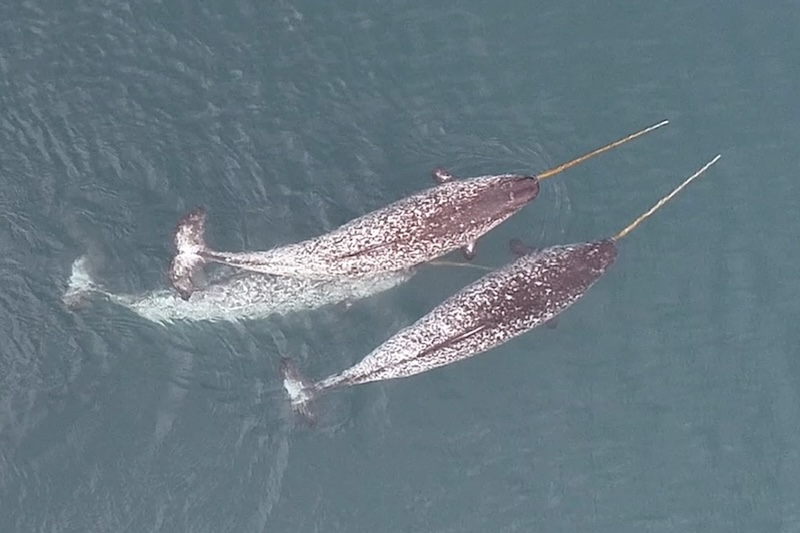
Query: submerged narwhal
x,y
406,233
231,295
494,309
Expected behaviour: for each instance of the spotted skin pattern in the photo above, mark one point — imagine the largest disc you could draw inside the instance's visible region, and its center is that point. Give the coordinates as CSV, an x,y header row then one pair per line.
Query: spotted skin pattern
x,y
411,231
235,297
494,309
528,292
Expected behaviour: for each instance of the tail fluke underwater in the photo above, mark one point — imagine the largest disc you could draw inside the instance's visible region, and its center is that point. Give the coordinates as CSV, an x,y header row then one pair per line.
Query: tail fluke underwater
x,y
80,285
301,391
186,269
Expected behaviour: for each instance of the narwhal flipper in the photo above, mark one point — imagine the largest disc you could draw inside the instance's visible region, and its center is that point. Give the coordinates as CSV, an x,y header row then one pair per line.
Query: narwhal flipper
x,y
441,175
469,250
186,270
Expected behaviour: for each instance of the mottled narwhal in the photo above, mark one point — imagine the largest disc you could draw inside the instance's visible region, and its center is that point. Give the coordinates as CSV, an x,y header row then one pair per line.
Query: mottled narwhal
x,y
231,296
408,232
494,309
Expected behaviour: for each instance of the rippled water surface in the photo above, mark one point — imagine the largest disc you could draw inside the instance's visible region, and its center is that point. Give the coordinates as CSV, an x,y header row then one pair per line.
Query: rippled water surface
x,y
666,400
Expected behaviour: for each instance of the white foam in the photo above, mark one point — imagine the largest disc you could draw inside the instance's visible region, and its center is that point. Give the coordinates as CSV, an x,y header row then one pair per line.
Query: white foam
x,y
80,282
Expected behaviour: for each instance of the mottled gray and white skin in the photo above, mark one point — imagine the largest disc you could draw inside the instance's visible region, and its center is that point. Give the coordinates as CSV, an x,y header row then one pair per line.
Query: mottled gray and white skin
x,y
501,305
494,309
233,296
406,233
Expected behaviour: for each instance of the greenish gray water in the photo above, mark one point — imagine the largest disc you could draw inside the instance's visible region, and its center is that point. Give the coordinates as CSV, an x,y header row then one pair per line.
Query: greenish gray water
x,y
667,400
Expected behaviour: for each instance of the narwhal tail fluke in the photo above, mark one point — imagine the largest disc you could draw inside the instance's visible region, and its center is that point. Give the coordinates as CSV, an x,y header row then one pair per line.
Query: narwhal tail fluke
x,y
186,268
300,390
80,285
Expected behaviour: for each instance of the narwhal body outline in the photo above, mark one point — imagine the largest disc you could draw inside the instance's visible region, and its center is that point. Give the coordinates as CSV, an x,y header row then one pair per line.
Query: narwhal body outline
x,y
501,305
413,230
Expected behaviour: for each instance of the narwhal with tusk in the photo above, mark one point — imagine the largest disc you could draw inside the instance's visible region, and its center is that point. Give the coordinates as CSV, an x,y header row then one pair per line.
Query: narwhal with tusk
x,y
501,305
406,233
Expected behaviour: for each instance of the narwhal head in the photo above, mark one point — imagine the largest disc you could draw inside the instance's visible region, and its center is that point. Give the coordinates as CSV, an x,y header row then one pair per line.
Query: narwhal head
x,y
507,194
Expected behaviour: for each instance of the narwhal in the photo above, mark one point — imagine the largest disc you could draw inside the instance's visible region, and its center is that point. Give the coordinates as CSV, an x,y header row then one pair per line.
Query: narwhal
x,y
408,232
231,295
503,304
